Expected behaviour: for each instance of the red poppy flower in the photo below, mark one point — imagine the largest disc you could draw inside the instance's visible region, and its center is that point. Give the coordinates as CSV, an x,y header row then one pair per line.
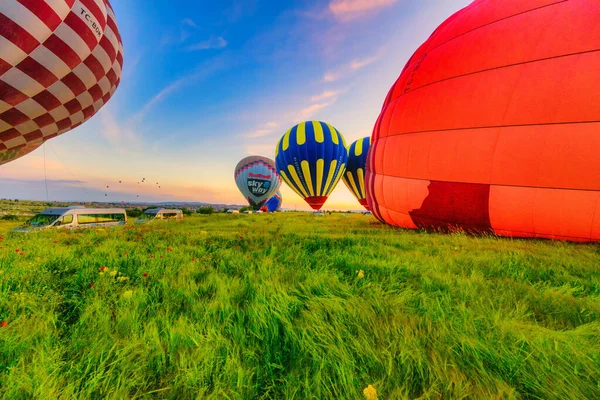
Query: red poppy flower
x,y
161,257
21,254
92,284
145,274
102,269
3,324
17,251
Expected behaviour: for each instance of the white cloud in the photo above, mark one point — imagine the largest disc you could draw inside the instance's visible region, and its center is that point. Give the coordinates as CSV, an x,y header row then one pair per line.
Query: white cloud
x,y
120,136
327,94
266,149
347,10
213,42
345,70
307,113
189,22
267,130
331,76
203,72
359,64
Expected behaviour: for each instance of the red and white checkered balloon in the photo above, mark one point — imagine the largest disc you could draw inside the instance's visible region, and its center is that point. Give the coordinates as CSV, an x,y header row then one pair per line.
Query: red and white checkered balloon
x,y
60,62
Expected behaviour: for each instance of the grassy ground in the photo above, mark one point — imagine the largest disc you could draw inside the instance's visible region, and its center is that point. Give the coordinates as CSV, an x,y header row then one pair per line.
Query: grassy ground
x,y
276,307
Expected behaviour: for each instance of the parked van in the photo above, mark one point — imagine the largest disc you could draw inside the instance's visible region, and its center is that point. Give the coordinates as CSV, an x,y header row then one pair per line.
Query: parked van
x,y
160,213
75,217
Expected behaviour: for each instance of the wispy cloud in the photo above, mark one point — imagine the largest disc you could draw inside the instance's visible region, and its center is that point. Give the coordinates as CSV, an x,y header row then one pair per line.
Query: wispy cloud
x,y
347,10
345,70
189,22
309,112
214,42
187,27
240,9
361,63
266,149
327,94
266,130
332,76
121,136
189,31
203,72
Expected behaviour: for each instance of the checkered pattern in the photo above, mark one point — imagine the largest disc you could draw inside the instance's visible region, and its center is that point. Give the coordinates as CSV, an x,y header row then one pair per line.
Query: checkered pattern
x,y
60,62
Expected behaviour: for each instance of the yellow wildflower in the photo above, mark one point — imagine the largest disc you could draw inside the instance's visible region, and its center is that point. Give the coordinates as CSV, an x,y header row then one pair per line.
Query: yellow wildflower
x,y
127,294
361,274
113,273
122,278
370,393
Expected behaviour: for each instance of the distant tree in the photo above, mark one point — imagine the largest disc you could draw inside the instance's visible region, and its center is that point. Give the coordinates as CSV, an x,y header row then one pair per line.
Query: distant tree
x,y
206,210
9,217
134,212
187,211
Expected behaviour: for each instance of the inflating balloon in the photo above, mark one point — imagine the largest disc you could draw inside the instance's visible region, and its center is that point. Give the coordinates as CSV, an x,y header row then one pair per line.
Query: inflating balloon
x,y
354,178
311,158
494,125
274,203
257,179
60,62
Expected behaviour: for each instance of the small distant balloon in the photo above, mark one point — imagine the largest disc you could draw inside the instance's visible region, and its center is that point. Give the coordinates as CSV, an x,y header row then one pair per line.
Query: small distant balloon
x,y
311,159
354,178
274,203
256,177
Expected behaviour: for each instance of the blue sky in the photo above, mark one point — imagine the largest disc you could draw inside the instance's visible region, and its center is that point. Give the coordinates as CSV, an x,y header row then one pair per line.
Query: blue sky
x,y
206,83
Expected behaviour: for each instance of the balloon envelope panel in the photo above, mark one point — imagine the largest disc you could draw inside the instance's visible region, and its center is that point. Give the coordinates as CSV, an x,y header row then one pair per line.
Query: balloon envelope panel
x,y
311,158
493,125
257,179
354,178
60,62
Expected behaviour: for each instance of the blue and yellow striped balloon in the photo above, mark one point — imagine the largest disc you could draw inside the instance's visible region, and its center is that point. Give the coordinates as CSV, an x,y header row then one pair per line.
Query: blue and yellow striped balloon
x,y
356,169
311,158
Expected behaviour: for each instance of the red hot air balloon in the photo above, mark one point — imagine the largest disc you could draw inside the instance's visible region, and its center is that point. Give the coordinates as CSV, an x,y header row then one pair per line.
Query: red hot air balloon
x,y
494,125
60,62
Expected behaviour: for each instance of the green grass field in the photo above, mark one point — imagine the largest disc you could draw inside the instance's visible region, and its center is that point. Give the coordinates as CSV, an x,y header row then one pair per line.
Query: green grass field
x,y
276,307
